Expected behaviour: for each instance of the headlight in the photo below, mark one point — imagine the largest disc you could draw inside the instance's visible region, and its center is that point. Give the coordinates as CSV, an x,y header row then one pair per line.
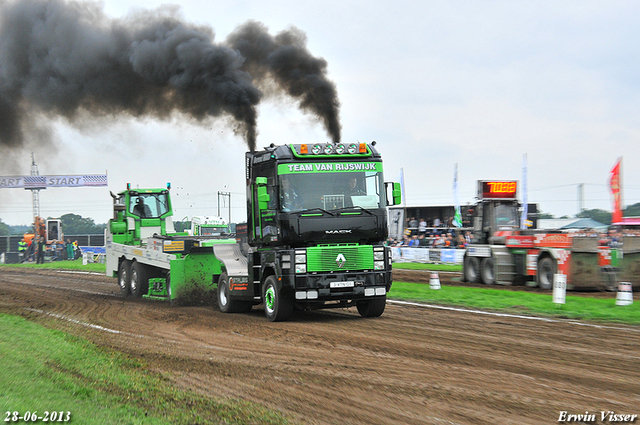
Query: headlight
x,y
353,148
301,258
378,265
301,268
340,148
378,255
328,148
316,149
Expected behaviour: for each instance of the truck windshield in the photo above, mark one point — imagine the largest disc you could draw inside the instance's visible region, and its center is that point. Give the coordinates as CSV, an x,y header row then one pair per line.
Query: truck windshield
x,y
149,205
330,191
506,216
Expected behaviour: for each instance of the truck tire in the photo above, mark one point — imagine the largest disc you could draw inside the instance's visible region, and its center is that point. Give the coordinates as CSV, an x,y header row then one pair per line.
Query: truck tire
x,y
124,277
277,307
139,280
372,308
546,269
225,303
471,269
486,270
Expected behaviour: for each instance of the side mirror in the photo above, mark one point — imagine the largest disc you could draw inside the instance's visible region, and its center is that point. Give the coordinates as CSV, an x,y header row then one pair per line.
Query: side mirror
x,y
263,196
396,193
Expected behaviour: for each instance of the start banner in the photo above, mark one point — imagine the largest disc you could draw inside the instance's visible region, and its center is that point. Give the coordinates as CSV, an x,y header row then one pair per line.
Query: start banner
x,y
43,182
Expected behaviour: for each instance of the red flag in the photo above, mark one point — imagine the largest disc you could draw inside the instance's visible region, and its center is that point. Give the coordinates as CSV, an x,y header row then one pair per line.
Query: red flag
x,y
616,190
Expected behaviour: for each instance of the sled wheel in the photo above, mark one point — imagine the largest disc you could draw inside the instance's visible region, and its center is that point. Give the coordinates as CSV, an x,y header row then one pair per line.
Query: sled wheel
x,y
139,280
124,278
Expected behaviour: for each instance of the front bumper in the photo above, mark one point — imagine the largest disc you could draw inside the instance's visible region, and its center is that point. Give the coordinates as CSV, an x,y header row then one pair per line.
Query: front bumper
x,y
340,286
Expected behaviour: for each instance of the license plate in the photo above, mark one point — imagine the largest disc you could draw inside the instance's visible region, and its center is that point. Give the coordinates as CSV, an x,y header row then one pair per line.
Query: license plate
x,y
346,284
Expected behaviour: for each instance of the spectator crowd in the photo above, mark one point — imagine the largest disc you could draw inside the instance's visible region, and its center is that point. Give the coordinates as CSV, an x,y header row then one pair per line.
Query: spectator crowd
x,y
35,249
441,234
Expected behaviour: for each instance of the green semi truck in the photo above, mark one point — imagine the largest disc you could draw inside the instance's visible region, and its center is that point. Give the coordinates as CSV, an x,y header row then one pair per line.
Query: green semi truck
x,y
316,224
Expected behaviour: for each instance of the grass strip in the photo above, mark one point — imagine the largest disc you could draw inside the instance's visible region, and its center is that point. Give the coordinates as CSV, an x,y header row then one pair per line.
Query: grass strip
x,y
63,265
48,370
428,266
519,302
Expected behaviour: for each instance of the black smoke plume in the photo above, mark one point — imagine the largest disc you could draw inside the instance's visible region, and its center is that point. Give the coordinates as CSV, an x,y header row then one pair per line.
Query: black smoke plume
x,y
68,59
285,60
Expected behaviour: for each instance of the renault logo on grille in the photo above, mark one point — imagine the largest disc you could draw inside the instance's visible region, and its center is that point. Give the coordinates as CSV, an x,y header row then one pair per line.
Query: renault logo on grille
x,y
340,260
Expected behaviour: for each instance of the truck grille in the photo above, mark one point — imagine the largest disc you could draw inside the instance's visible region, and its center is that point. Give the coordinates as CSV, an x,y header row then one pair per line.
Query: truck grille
x,y
339,258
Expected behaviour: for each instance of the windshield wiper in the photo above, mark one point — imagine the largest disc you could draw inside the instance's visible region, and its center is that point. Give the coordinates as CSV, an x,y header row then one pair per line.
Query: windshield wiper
x,y
316,209
355,206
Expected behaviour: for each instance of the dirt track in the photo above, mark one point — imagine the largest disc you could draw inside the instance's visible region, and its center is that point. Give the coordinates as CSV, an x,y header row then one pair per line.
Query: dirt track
x,y
413,365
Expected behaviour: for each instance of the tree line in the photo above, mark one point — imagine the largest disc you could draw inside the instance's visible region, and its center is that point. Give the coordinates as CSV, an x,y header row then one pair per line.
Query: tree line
x,y
74,224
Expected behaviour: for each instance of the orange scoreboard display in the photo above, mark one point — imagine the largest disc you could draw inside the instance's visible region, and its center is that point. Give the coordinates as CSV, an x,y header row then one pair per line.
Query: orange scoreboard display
x,y
491,189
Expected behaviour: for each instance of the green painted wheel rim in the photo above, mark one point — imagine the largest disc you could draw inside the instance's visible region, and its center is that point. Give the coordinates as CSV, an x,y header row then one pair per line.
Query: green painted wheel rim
x,y
270,298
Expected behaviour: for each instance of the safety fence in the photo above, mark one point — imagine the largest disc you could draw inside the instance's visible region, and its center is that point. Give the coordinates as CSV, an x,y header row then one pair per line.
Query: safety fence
x,y
10,253
10,243
427,255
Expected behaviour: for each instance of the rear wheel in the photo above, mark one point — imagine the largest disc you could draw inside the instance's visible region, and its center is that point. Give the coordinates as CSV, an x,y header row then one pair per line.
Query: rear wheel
x,y
372,308
487,276
124,278
546,269
471,269
277,306
139,280
225,303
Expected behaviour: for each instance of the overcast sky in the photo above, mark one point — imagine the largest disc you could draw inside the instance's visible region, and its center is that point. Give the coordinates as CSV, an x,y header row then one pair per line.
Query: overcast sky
x,y
477,83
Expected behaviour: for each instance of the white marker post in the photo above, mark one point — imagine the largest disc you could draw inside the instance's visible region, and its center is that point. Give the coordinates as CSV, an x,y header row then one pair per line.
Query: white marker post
x,y
625,294
434,281
559,288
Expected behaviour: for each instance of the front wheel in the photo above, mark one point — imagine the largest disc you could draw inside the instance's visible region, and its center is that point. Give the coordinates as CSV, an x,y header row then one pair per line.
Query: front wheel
x,y
546,269
471,270
277,306
372,308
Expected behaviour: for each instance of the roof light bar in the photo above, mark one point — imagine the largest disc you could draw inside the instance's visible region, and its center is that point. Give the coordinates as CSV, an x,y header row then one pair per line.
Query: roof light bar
x,y
331,149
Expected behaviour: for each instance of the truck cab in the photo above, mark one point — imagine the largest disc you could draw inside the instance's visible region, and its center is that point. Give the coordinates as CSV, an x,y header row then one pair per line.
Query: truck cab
x,y
494,220
316,225
140,213
208,226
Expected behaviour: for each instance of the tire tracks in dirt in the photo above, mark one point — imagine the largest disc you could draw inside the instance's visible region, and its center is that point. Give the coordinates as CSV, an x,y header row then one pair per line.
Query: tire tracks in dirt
x,y
413,365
